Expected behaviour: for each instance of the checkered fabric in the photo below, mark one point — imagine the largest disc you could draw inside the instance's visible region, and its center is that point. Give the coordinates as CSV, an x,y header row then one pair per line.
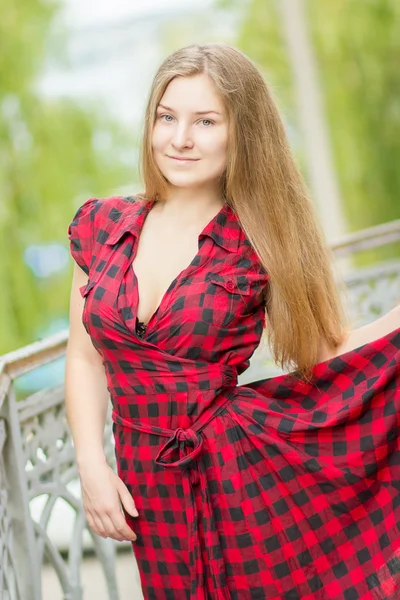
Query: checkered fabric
x,y
278,489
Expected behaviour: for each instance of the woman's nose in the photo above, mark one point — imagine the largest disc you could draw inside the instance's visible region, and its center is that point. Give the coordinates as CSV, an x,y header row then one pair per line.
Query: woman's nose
x,y
181,137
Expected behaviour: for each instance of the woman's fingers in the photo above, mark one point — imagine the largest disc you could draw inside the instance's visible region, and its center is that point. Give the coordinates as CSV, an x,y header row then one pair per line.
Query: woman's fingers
x,y
121,527
104,495
111,525
98,526
111,529
126,499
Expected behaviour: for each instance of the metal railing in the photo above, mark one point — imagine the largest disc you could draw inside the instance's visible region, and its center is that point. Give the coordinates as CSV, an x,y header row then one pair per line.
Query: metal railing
x,y
37,460
37,456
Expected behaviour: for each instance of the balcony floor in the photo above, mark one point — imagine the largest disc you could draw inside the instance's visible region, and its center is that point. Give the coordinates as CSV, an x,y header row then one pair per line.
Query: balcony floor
x,y
93,581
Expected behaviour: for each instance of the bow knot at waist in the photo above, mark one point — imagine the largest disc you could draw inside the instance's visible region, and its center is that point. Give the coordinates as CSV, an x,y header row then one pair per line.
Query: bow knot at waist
x,y
183,445
185,435
179,450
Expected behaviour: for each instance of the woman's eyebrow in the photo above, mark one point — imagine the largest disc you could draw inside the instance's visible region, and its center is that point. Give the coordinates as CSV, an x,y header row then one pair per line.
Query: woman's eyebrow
x,y
202,112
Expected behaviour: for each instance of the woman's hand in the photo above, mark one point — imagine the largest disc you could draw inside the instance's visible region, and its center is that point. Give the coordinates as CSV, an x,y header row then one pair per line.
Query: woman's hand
x,y
103,492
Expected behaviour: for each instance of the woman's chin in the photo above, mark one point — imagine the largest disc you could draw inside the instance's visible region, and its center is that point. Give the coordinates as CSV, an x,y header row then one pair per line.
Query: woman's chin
x,y
184,182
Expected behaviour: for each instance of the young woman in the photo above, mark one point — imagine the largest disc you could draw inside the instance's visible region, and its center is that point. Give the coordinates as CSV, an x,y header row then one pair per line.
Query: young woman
x,y
286,488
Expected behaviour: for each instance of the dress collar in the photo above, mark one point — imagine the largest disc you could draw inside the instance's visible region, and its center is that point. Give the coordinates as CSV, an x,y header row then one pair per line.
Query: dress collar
x,y
223,228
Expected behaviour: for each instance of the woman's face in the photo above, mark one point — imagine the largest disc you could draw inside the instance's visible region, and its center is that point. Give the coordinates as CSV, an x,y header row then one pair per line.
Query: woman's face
x,y
191,123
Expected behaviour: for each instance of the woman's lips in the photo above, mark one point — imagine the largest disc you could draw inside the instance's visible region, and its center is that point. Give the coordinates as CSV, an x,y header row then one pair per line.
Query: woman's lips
x,y
183,160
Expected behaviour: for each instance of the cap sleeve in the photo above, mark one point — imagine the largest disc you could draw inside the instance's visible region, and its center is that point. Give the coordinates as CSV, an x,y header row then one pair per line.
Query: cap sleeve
x,y
81,233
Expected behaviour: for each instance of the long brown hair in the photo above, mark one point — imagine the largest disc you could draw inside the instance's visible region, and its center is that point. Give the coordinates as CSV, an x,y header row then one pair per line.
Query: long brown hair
x,y
266,190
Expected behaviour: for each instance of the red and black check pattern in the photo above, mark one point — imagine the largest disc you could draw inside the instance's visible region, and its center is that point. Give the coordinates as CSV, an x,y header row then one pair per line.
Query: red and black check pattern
x,y
275,490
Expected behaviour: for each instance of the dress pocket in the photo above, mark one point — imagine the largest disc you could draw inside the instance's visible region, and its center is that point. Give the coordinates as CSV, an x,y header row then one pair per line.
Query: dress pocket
x,y
225,297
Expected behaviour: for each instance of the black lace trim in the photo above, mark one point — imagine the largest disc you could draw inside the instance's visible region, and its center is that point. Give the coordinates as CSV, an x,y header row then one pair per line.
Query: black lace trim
x,y
140,328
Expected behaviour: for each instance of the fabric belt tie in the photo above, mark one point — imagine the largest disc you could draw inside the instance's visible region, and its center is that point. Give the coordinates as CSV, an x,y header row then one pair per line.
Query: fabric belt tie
x,y
188,442
175,441
179,438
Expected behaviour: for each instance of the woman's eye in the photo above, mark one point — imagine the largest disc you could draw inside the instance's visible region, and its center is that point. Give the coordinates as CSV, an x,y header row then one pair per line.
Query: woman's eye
x,y
168,117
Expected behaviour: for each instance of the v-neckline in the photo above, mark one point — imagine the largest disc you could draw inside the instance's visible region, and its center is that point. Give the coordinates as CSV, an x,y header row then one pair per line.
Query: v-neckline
x,y
147,208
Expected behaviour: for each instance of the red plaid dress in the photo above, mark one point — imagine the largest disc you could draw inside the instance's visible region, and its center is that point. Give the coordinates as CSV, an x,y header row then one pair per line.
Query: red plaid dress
x,y
273,490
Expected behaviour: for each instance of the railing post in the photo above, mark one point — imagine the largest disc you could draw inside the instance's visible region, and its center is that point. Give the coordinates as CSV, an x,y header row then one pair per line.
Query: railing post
x,y
27,572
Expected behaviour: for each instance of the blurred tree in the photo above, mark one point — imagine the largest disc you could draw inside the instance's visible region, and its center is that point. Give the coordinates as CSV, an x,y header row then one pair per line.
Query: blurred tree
x,y
357,46
260,35
53,154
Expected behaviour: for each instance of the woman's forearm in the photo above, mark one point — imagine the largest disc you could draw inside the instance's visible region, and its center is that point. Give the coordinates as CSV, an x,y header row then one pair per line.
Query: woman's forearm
x,y
368,333
86,398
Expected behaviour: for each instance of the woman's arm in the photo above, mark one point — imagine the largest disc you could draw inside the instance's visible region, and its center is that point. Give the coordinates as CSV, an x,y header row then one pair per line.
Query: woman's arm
x,y
367,333
87,399
86,393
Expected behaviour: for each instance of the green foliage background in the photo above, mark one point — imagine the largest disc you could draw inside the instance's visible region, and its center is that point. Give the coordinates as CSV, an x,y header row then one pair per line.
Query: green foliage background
x,y
50,162
357,46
